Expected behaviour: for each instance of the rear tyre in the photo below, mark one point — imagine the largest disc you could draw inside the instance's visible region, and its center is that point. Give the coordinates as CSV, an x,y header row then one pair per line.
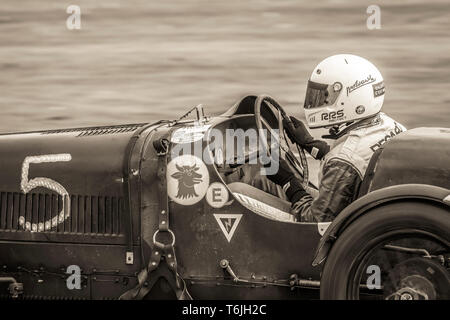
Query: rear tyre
x,y
417,225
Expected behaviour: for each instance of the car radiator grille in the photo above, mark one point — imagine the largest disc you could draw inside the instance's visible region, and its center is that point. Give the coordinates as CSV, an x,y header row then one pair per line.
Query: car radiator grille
x,y
96,131
88,214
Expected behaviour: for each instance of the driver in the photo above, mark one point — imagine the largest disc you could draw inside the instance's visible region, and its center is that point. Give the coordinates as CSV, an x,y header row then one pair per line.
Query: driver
x,y
344,94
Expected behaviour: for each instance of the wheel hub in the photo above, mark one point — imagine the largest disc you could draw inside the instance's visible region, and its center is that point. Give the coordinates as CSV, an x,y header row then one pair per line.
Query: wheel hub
x,y
406,296
417,279
414,287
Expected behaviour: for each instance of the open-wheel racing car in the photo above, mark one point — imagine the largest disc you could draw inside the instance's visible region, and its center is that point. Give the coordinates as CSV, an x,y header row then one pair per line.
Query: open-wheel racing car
x,y
109,212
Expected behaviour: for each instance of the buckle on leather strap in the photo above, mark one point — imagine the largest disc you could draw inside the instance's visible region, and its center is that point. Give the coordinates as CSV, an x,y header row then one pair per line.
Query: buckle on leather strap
x,y
161,245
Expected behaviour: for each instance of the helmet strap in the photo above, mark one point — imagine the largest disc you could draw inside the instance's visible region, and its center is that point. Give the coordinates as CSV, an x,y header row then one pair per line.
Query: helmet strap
x,y
339,130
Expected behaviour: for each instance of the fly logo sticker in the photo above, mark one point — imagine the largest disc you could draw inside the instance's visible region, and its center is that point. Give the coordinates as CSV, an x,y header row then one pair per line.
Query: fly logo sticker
x,y
228,223
187,179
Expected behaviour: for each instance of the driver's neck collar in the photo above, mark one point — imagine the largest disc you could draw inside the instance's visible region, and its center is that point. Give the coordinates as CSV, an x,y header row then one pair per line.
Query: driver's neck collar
x,y
339,131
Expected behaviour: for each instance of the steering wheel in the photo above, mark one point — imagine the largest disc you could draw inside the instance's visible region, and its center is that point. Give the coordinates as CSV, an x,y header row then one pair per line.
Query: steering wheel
x,y
284,150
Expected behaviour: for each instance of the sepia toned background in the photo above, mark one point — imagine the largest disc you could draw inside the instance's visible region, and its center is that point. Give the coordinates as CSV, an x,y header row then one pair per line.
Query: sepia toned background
x,y
140,61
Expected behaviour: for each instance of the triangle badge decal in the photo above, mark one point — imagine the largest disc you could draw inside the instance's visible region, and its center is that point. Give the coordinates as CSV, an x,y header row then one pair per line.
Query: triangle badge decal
x,y
228,223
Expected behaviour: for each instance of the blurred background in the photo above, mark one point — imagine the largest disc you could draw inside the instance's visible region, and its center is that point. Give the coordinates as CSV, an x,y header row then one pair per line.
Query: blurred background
x,y
140,61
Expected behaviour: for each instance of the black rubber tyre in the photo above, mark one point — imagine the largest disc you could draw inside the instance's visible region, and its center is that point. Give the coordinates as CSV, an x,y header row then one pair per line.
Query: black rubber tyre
x,y
370,230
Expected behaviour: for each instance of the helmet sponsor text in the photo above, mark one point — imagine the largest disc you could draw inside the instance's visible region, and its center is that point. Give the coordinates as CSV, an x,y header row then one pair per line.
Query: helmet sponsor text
x,y
388,136
360,83
333,116
378,89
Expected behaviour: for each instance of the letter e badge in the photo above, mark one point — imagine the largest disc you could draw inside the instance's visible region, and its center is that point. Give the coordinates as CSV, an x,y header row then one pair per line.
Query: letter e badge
x,y
217,195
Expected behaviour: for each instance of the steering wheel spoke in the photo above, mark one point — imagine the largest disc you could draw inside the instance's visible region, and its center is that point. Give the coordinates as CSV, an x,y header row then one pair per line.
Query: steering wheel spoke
x,y
284,150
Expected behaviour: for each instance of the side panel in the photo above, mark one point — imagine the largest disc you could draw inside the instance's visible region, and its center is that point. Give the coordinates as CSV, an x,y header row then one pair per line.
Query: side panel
x,y
419,156
260,250
42,267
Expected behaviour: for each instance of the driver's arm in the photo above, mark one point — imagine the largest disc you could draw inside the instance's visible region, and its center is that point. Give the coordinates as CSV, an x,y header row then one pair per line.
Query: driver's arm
x,y
337,189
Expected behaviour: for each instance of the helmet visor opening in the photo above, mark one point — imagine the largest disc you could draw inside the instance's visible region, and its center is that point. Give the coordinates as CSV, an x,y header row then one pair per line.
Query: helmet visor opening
x,y
320,94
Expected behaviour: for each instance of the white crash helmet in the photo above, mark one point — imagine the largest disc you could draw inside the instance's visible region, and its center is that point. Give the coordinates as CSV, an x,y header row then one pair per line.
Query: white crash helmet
x,y
343,88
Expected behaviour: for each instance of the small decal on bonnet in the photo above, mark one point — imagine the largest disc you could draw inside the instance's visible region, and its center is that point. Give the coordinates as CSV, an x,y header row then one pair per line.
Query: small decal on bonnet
x,y
189,134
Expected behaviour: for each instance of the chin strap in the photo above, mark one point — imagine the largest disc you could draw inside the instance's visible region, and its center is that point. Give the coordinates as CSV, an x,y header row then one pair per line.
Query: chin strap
x,y
338,131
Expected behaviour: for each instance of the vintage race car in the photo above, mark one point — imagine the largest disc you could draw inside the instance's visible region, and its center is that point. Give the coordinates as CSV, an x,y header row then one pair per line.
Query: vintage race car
x,y
111,212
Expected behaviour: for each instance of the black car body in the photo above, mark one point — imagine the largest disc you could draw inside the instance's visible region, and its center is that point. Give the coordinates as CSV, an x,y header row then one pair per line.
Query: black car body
x,y
90,197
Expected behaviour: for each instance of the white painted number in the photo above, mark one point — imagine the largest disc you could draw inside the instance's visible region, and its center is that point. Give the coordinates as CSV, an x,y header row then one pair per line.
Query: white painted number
x,y
28,185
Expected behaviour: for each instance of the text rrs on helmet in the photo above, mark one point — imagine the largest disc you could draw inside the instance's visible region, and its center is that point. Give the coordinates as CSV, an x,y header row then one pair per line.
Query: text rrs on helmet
x,y
334,115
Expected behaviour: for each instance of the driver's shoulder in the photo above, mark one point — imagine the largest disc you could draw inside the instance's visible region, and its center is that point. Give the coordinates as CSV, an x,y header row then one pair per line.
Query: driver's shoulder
x,y
345,146
346,150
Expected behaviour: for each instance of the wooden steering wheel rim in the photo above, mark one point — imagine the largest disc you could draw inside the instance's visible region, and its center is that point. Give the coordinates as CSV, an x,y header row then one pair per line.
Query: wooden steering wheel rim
x,y
259,120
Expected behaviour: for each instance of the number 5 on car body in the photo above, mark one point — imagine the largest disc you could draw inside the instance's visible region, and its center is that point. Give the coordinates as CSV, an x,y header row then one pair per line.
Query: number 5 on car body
x,y
27,185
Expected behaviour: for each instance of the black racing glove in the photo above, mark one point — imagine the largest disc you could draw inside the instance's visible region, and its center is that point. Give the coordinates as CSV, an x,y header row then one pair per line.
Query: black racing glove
x,y
298,134
286,179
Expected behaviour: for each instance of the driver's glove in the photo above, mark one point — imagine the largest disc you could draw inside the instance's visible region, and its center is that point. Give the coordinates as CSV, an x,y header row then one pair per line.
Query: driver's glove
x,y
286,179
298,134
